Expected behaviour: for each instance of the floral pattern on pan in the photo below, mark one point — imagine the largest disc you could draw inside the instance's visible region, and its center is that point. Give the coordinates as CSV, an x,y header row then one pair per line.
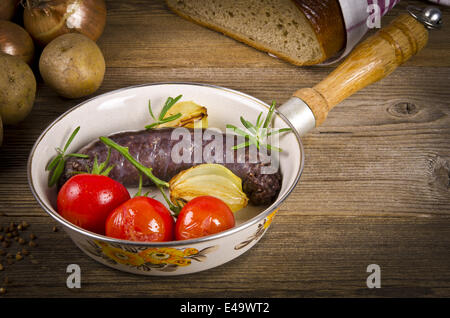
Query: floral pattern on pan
x,y
166,259
262,227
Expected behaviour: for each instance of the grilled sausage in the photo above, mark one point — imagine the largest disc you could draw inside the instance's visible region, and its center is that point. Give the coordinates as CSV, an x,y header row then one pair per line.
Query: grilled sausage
x,y
158,148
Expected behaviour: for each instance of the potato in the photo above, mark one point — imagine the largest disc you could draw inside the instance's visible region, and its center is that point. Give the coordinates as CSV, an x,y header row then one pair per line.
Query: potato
x,y
72,65
17,89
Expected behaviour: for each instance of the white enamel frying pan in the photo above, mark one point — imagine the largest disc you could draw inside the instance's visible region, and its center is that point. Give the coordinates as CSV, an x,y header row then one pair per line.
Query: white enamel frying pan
x,y
126,109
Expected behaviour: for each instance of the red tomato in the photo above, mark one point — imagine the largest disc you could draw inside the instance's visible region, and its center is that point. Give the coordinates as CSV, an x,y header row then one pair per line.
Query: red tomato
x,y
203,216
86,200
141,219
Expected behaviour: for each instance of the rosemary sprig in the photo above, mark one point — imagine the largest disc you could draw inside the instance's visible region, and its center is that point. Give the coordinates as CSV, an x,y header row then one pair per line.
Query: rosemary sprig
x,y
161,120
56,166
101,169
143,171
256,134
139,192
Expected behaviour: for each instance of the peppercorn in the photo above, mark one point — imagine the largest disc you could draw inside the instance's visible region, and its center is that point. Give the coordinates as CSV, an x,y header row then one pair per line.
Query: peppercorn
x,y
12,227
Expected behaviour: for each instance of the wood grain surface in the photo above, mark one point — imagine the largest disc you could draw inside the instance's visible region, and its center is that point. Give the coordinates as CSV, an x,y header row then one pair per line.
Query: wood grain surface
x,y
375,188
371,61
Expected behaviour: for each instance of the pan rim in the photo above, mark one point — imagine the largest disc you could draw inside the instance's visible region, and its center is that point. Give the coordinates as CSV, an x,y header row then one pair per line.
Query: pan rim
x,y
274,206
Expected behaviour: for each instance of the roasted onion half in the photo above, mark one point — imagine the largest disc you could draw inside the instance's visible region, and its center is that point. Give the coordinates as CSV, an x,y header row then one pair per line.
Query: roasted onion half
x,y
208,179
192,116
47,19
14,40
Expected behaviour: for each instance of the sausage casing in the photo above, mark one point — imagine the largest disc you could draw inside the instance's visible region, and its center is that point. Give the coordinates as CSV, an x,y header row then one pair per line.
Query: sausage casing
x,y
156,148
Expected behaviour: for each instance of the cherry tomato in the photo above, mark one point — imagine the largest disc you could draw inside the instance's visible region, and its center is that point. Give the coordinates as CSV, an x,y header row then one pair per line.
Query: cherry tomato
x,y
203,216
141,219
86,200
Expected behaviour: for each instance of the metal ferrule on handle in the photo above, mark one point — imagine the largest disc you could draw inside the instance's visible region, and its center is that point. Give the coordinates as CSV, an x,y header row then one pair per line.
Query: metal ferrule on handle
x,y
299,114
372,60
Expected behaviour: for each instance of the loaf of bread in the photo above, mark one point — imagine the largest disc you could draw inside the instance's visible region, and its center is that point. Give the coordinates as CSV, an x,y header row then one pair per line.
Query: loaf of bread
x,y
302,32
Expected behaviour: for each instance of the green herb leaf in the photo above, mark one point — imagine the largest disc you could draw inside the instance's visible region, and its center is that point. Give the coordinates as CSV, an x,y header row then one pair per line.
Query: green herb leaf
x,y
272,148
102,169
143,170
78,155
161,120
258,133
259,121
239,131
56,173
95,169
150,110
242,145
151,126
138,194
269,115
56,166
248,125
166,120
174,208
69,141
147,193
125,152
78,172
108,170
53,163
169,103
282,130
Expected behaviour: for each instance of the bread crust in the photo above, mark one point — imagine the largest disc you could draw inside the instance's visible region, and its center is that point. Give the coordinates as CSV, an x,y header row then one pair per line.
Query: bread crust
x,y
327,21
323,45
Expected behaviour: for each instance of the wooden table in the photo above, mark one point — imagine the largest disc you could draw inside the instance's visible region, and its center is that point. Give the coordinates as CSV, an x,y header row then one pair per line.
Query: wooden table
x,y
375,188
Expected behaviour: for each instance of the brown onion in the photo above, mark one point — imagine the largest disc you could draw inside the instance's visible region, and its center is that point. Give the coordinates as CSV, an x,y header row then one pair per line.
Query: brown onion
x,y
14,40
7,9
47,19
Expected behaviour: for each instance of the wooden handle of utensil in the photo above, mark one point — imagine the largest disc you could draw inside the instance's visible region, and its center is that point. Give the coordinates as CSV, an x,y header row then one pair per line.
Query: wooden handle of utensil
x,y
371,61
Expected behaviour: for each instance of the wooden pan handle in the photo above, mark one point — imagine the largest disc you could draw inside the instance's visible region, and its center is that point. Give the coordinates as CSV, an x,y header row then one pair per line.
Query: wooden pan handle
x,y
370,61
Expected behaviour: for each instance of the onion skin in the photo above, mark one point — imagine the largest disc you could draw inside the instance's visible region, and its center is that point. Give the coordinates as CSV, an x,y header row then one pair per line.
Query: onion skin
x,y
14,40
8,8
46,20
